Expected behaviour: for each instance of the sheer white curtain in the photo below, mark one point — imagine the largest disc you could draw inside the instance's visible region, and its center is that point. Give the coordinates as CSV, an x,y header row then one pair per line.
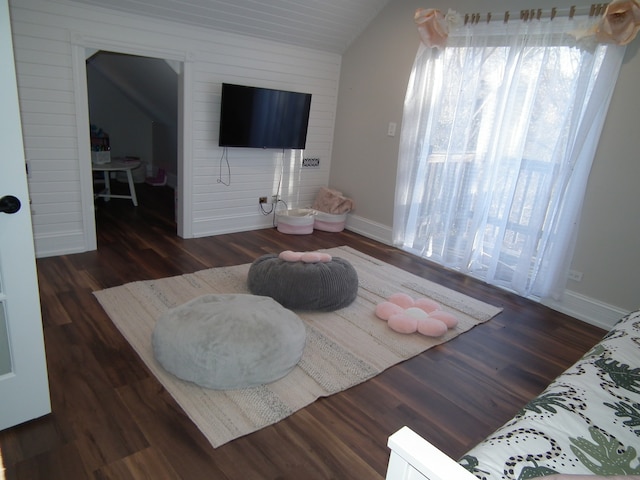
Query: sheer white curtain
x,y
498,136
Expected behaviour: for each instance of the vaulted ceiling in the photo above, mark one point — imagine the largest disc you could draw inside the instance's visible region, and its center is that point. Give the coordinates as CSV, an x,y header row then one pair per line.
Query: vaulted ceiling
x,y
130,75
328,25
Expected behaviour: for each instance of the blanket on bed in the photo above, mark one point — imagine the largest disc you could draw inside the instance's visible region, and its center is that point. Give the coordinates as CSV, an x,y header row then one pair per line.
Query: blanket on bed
x,y
586,422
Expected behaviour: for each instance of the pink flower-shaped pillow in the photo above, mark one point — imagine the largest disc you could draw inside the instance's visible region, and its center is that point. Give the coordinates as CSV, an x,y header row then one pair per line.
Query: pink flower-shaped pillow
x,y
406,315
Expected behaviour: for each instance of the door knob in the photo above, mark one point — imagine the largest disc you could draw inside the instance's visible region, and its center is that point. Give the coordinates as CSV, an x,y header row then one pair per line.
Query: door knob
x,y
9,204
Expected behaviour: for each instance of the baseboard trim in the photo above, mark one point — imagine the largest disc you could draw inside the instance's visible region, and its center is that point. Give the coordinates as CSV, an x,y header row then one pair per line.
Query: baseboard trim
x,y
222,225
62,244
370,229
587,309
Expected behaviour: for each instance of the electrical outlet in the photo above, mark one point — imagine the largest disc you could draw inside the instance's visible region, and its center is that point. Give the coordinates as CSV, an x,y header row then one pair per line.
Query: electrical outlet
x,y
262,200
575,275
311,162
274,198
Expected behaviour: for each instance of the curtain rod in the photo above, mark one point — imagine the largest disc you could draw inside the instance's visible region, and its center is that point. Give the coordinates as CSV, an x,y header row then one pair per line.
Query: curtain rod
x,y
593,10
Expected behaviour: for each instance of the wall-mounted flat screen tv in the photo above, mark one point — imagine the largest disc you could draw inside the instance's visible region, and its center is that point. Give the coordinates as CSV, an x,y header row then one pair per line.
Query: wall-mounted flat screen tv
x,y
263,118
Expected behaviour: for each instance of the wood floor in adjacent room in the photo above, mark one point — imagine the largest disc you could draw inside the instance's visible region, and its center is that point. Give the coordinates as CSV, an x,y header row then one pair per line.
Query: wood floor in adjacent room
x,y
112,419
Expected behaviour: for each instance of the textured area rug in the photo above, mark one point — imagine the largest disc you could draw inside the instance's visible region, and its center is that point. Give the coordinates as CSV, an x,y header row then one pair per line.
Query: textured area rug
x,y
343,348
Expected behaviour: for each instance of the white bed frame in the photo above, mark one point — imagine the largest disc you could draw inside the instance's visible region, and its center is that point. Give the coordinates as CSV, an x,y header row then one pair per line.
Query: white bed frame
x,y
413,458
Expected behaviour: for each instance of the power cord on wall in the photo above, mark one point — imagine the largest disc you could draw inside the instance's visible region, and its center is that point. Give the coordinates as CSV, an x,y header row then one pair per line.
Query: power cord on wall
x,y
274,206
267,212
273,222
226,157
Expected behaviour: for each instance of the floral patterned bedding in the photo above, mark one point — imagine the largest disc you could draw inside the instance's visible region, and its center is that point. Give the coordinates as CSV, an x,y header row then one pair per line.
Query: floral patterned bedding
x,y
586,422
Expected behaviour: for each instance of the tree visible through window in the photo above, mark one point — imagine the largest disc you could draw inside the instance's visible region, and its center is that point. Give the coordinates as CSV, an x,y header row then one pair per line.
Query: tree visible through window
x,y
499,132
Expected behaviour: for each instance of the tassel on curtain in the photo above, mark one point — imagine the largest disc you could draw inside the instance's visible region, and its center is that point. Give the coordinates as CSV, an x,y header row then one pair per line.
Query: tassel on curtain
x,y
619,25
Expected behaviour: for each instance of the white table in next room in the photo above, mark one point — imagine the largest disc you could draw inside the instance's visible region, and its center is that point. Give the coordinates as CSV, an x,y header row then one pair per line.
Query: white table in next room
x,y
117,166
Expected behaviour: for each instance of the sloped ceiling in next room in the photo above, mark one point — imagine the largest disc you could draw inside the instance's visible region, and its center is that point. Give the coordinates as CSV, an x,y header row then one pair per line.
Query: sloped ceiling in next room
x,y
150,83
327,25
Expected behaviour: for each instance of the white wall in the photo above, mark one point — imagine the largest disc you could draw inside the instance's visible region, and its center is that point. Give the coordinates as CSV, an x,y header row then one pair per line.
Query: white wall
x,y
165,147
47,35
375,71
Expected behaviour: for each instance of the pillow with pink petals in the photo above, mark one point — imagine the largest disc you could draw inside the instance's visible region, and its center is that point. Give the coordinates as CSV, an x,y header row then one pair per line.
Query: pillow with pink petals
x,y
406,315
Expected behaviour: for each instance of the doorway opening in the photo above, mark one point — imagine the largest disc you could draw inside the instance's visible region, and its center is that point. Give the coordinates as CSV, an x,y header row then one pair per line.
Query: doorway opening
x,y
133,116
144,120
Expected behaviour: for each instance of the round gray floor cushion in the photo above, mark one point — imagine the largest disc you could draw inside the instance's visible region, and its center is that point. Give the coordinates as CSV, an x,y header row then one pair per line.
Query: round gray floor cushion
x,y
324,286
229,341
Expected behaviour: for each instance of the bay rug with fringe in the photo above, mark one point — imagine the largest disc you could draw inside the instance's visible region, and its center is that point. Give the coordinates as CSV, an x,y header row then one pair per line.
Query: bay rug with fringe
x,y
343,348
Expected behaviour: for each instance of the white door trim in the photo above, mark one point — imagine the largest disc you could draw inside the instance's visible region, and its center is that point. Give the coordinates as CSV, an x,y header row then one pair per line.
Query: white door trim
x,y
81,44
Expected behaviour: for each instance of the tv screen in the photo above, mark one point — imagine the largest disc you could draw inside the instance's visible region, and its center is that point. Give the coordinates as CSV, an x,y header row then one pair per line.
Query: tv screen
x,y
263,118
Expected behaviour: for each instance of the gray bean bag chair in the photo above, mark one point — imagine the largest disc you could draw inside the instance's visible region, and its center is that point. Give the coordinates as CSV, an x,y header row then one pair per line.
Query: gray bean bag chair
x,y
229,341
322,286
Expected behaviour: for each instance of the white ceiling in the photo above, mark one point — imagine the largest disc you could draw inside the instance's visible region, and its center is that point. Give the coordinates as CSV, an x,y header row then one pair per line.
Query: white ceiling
x,y
328,25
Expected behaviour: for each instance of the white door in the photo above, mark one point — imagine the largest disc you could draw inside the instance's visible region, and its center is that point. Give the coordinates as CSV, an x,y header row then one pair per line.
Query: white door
x,y
24,388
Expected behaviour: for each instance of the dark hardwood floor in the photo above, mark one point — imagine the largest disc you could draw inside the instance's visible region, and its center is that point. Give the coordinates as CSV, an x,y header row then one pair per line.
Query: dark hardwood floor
x,y
112,419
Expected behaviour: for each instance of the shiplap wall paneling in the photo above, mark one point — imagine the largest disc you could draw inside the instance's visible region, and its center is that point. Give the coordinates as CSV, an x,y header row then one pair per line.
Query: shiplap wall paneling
x,y
45,35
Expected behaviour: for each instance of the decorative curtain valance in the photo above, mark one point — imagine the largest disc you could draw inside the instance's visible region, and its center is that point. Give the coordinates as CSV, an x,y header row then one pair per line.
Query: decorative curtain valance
x,y
618,24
